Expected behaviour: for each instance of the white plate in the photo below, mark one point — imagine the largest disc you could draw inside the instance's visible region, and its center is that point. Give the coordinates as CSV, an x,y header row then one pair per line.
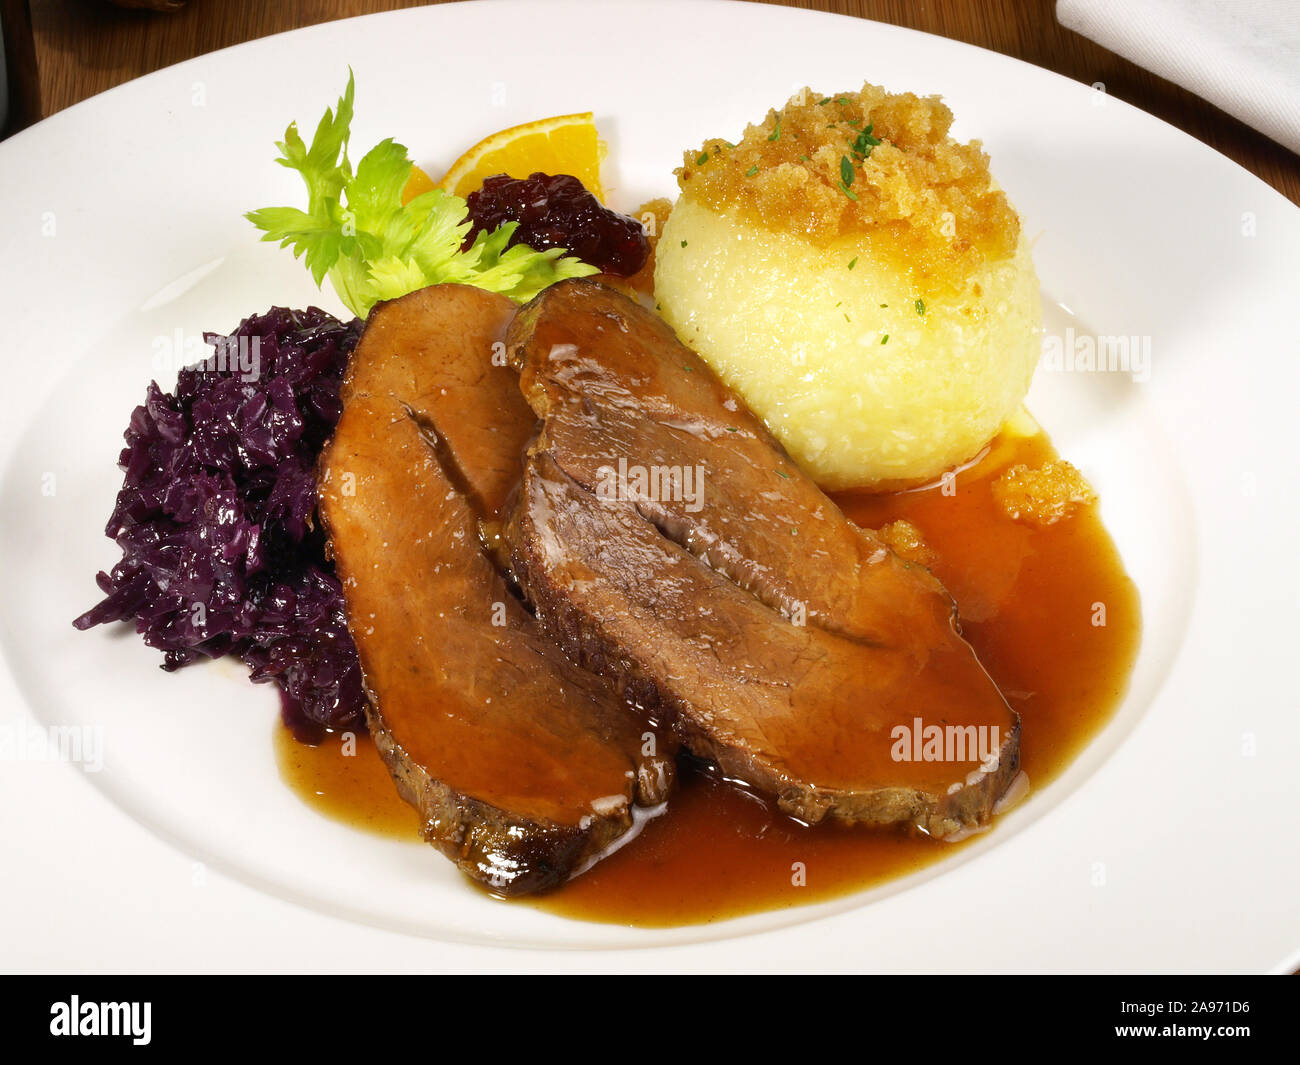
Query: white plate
x,y
1168,845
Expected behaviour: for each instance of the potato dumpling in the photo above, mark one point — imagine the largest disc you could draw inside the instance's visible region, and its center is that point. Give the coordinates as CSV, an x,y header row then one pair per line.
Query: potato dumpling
x,y
858,277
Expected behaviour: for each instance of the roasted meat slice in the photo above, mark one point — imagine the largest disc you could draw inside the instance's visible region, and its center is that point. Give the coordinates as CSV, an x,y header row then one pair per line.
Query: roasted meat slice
x,y
524,767
666,540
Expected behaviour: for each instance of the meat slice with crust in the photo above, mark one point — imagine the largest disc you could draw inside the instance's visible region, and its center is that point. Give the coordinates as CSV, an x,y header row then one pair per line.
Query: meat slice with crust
x,y
524,767
667,541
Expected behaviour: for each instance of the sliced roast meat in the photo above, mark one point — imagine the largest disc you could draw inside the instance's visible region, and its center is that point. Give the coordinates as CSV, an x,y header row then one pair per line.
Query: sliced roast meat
x,y
666,540
525,768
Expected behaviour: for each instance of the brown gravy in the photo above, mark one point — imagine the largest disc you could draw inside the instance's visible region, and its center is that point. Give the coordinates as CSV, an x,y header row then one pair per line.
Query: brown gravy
x,y
1029,599
343,777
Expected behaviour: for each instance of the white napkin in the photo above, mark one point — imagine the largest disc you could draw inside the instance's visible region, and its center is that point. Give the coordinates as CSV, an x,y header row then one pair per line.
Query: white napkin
x,y
1241,55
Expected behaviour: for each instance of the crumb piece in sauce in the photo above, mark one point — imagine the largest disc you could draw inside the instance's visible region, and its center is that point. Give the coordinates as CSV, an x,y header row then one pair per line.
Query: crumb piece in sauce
x,y
640,286
652,215
906,541
1042,495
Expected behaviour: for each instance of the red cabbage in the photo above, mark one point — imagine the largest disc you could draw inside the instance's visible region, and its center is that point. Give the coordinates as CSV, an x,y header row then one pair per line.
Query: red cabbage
x,y
221,552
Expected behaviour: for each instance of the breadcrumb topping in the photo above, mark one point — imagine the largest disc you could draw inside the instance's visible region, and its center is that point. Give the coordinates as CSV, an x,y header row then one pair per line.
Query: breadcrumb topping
x,y
876,167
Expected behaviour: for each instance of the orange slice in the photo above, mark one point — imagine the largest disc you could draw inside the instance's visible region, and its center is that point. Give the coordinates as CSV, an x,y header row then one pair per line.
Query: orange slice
x,y
419,182
565,144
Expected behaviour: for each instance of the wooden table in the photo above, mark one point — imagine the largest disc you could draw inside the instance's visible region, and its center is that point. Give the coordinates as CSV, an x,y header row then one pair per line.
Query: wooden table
x,y
77,48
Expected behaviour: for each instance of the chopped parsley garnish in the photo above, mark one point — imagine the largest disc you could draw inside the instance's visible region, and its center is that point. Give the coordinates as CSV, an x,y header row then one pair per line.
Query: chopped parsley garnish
x,y
846,170
776,130
920,307
824,100
752,171
853,262
782,473
864,142
702,158
848,192
683,244
841,100
885,339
